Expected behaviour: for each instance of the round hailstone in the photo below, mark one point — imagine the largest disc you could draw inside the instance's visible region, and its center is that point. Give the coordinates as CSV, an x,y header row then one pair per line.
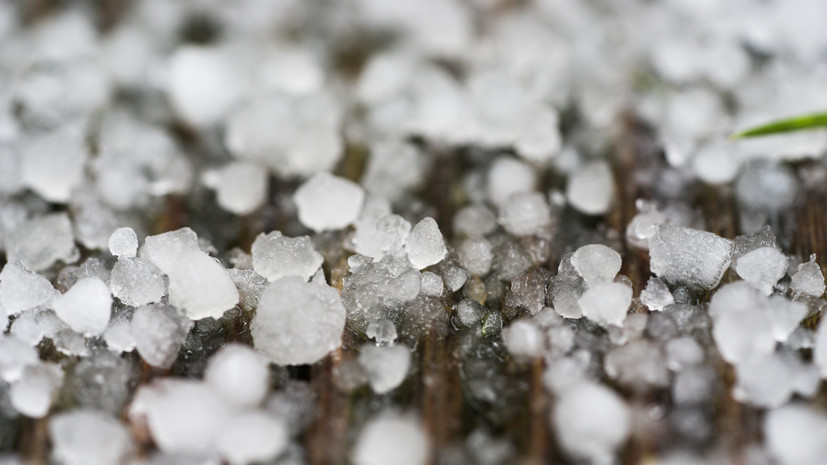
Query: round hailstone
x,y
201,287
276,256
475,254
328,202
158,331
762,268
796,434
88,437
507,177
123,242
33,393
239,374
596,263
298,322
86,307
591,188
525,214
386,366
136,281
240,187
591,422
183,416
391,438
606,303
425,244
524,339
202,84
252,437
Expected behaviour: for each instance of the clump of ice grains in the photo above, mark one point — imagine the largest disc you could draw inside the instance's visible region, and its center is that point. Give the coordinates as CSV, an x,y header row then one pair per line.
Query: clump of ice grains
x,y
226,228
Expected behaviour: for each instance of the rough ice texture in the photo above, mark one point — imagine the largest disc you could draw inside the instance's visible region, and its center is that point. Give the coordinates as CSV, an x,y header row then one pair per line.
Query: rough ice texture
x,y
590,189
240,187
644,224
328,202
86,307
680,255
469,312
137,281
252,437
391,438
796,434
762,268
40,242
239,374
656,296
22,289
425,245
159,330
183,416
123,243
276,256
807,280
606,303
596,263
524,339
298,322
591,422
200,286
377,290
165,249
383,332
431,284
525,214
386,366
381,235
89,437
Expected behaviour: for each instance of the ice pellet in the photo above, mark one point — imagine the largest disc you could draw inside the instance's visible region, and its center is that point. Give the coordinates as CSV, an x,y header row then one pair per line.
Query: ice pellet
x,y
680,255
391,438
524,339
425,245
123,243
656,296
200,286
276,256
596,263
606,303
239,374
137,281
328,202
159,330
32,395
86,307
807,280
762,268
590,189
385,366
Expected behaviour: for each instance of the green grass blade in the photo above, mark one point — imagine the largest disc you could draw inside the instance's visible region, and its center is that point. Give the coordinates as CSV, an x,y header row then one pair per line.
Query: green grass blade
x,y
796,123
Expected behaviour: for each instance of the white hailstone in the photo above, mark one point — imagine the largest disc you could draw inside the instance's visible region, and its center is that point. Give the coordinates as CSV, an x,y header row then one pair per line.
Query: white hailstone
x,y
86,306
31,327
42,241
507,177
596,263
425,245
386,366
159,330
123,243
381,235
683,352
201,287
591,422
469,312
292,70
52,165
525,214
88,437
239,374
294,136
32,395
762,268
475,255
747,324
298,322
590,189
606,303
432,284
276,256
137,281
524,339
118,337
796,434
807,280
240,187
183,416
680,255
656,296
326,202
22,289
475,220
15,356
644,224
391,438
252,437
769,381
394,168
203,84
165,249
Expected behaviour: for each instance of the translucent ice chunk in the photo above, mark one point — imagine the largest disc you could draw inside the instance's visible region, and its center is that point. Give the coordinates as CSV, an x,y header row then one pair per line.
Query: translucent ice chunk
x,y
656,296
596,263
681,255
606,303
240,187
276,256
808,279
32,395
200,286
137,281
159,330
